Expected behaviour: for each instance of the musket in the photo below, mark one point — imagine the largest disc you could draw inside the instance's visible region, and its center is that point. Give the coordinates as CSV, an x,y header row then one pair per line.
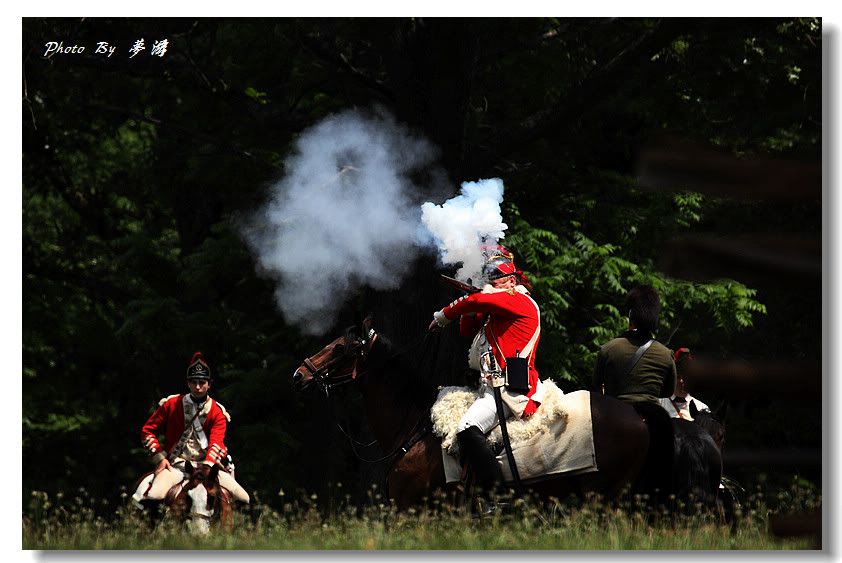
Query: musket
x,y
461,286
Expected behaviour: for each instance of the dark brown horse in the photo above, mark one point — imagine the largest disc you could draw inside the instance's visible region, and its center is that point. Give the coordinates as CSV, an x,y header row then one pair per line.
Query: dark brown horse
x,y
397,401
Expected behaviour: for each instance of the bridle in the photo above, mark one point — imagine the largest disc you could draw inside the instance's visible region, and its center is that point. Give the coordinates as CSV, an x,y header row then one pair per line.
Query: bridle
x,y
200,482
359,349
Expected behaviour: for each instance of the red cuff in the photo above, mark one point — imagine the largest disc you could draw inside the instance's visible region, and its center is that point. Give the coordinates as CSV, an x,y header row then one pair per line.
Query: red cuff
x,y
530,409
216,453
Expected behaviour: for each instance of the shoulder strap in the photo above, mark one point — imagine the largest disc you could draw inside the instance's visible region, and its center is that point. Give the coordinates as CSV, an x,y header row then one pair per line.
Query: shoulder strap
x,y
638,355
677,410
527,351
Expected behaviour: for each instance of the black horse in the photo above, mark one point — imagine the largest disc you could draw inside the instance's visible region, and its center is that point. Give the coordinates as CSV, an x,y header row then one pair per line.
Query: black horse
x,y
697,471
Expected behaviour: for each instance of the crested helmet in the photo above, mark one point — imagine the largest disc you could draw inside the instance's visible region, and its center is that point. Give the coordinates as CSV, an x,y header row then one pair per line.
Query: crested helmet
x,y
499,266
198,368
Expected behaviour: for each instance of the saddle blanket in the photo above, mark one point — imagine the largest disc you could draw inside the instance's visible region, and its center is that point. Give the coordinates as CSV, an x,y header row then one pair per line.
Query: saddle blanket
x,y
558,438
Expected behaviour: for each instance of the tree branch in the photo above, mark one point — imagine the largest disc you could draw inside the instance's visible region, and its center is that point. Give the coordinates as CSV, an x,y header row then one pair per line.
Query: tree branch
x,y
341,62
180,128
539,124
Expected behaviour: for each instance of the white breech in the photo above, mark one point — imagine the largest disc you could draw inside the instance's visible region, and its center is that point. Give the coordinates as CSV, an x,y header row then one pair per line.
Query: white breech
x,y
161,483
482,414
171,476
228,482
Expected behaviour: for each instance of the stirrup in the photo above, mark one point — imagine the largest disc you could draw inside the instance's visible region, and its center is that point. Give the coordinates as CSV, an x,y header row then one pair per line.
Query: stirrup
x,y
487,508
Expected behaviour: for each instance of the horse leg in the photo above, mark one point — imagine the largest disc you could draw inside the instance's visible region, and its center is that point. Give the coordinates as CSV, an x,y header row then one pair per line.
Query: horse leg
x,y
226,520
417,475
151,512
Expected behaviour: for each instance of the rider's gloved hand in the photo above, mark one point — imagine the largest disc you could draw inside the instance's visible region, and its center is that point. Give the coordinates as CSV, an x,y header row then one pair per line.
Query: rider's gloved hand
x,y
163,464
439,321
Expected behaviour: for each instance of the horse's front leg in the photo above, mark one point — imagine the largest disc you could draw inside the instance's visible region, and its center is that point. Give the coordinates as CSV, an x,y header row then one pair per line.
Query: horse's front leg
x,y
226,516
417,475
223,508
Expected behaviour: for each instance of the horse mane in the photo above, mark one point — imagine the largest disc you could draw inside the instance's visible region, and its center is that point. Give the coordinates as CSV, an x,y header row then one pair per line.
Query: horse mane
x,y
707,422
413,385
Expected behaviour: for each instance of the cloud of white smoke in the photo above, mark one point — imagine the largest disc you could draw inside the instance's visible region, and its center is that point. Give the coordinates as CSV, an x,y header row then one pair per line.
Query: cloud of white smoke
x,y
463,224
343,216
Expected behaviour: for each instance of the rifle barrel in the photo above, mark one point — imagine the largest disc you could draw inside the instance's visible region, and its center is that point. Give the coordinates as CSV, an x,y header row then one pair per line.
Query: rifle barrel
x,y
461,286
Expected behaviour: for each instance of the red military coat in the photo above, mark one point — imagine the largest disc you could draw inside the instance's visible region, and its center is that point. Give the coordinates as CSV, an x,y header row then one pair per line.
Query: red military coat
x,y
168,420
514,320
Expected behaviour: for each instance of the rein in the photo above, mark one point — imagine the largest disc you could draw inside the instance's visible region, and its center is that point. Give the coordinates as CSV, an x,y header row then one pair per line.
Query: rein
x,y
200,515
322,377
414,438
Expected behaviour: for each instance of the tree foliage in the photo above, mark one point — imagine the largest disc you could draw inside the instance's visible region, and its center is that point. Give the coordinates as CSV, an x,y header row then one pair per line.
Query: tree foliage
x,y
136,173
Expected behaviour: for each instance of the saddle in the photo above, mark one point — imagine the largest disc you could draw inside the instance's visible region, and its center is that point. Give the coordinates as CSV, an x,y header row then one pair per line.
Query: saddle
x,y
558,438
174,491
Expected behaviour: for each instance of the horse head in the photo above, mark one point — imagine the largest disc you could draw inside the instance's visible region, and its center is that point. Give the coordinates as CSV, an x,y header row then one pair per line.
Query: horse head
x,y
200,496
708,421
339,362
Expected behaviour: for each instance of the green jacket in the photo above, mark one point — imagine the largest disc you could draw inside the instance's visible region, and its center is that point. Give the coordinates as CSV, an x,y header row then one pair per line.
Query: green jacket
x,y
654,375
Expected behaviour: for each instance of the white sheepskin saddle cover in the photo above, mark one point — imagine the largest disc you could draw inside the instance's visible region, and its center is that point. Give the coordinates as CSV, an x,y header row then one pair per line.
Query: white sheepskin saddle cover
x,y
558,438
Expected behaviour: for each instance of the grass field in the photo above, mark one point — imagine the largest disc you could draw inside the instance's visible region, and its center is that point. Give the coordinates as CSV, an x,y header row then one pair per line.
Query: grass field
x,y
82,523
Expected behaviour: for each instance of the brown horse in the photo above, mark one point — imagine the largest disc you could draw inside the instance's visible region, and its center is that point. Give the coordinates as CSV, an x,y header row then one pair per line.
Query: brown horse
x,y
397,401
202,499
197,500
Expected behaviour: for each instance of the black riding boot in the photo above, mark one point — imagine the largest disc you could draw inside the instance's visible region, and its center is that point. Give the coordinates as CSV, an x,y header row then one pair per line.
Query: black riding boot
x,y
478,455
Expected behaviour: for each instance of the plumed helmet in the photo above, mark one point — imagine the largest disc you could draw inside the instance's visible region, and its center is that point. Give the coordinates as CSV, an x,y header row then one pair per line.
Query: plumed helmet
x,y
680,357
491,250
681,354
497,267
198,368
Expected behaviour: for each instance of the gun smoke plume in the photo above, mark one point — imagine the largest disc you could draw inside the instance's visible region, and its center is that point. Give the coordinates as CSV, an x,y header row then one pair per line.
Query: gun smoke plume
x,y
348,214
343,216
463,224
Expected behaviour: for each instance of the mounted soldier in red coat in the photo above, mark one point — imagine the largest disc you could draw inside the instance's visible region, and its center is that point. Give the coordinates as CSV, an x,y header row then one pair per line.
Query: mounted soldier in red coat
x,y
193,425
506,325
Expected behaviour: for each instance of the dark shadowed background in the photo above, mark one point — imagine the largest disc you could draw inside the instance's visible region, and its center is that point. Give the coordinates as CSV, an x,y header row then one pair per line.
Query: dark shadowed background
x,y
676,152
